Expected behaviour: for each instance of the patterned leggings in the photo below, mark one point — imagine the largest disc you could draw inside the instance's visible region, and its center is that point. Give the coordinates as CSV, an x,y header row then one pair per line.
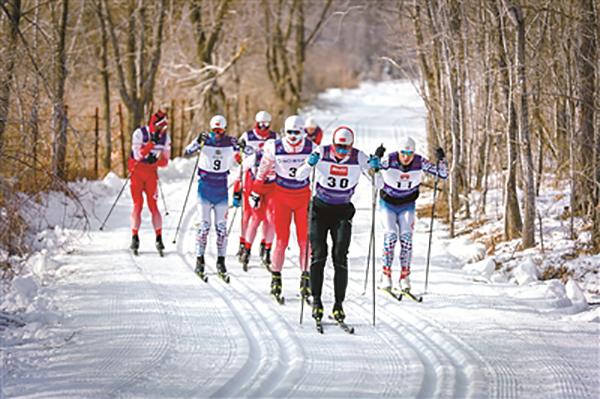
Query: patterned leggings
x,y
396,220
204,211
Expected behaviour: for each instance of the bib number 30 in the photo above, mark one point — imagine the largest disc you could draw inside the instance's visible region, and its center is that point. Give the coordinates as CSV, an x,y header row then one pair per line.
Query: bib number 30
x,y
332,182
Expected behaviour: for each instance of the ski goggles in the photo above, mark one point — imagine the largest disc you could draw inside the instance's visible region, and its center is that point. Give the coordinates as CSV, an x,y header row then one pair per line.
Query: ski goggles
x,y
218,130
407,153
293,132
263,125
342,149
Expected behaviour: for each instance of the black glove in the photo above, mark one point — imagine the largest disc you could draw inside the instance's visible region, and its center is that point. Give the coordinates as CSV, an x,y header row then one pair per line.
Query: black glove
x,y
151,158
439,154
201,139
155,137
242,144
380,151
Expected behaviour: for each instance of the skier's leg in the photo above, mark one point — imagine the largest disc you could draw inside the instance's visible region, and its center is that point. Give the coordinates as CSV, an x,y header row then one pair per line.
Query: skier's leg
x,y
151,191
406,220
137,188
203,209
341,234
301,222
390,236
318,243
283,218
221,227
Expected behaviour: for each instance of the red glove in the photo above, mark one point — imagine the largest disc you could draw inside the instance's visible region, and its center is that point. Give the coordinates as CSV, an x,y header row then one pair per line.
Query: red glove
x,y
146,149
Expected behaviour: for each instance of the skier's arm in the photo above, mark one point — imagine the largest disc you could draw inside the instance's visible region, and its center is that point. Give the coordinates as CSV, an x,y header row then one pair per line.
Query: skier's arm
x,y
304,169
195,145
139,149
267,163
441,169
165,154
385,164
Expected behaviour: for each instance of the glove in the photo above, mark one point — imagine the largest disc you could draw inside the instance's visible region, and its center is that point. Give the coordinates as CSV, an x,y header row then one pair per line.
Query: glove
x,y
313,158
155,137
439,154
237,199
151,158
374,162
237,158
242,144
201,139
380,151
254,200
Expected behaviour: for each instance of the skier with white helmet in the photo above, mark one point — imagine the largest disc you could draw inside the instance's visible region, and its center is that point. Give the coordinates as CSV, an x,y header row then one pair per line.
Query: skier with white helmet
x,y
313,130
338,168
291,195
218,155
398,185
254,214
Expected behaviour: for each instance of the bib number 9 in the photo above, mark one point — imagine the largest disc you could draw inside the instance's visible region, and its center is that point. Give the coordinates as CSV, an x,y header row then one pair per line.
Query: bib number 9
x,y
217,164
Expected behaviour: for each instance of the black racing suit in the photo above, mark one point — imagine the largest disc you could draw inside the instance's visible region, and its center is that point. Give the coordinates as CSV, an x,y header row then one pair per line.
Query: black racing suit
x,y
337,220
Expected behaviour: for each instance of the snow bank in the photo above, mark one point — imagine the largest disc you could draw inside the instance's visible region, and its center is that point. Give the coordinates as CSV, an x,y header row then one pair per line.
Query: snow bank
x,y
525,272
484,268
466,250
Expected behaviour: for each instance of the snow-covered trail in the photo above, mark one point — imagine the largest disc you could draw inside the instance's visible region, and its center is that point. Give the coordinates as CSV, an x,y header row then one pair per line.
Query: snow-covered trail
x,y
146,326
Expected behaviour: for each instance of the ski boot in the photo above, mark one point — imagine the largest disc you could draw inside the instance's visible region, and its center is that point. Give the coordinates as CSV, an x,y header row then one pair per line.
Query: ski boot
x,y
262,249
135,244
338,313
317,310
200,268
386,279
245,258
240,251
266,259
276,287
221,269
404,281
159,245
305,287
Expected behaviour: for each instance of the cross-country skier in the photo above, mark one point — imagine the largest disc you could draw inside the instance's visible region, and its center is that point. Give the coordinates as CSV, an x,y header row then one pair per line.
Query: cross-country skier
x,y
313,130
150,149
338,169
291,195
398,185
218,155
254,213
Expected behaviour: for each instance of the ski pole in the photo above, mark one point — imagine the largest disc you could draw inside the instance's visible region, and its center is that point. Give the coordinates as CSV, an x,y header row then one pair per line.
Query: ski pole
x,y
368,262
435,183
115,202
163,197
232,220
374,203
309,222
187,195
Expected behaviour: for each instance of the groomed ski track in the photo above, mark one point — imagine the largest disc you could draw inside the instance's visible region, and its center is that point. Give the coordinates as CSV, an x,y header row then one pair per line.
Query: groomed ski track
x,y
145,326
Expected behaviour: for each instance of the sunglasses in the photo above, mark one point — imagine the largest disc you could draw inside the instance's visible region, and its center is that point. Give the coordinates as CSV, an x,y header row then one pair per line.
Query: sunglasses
x,y
407,153
218,130
263,125
293,132
342,146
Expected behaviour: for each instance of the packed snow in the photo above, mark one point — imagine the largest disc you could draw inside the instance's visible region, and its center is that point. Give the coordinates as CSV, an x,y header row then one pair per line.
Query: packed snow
x,y
85,318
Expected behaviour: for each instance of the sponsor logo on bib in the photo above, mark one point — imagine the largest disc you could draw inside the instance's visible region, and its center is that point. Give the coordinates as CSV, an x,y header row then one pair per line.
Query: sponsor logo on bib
x,y
337,170
404,176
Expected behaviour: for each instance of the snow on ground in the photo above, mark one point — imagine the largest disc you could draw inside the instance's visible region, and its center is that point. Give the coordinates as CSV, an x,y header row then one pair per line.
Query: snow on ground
x,y
85,318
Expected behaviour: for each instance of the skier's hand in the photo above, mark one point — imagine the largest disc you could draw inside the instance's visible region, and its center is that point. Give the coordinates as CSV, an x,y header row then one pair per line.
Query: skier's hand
x,y
374,162
380,151
439,154
201,139
242,144
155,137
254,200
237,199
151,158
313,158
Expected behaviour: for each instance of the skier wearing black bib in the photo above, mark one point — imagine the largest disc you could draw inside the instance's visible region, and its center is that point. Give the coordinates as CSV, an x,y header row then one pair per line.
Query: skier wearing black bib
x,y
338,169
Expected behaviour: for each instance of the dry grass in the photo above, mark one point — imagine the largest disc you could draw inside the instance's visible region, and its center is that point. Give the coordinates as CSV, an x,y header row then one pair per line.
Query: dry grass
x,y
556,272
441,210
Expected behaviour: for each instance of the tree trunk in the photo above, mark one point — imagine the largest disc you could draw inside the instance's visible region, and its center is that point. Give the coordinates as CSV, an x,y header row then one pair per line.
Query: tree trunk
x,y
59,152
106,89
528,170
8,59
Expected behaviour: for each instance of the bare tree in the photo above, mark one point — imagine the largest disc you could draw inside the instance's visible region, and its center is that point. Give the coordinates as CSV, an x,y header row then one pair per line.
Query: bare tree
x,y
105,85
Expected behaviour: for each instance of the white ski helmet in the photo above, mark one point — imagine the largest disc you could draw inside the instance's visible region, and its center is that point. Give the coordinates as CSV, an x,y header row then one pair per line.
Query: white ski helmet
x,y
293,129
218,122
310,123
263,117
343,140
407,144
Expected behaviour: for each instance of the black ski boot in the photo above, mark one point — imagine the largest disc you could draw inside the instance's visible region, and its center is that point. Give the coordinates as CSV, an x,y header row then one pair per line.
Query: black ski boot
x,y
245,258
159,245
262,250
266,258
135,244
317,310
305,287
276,287
221,269
338,313
200,268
